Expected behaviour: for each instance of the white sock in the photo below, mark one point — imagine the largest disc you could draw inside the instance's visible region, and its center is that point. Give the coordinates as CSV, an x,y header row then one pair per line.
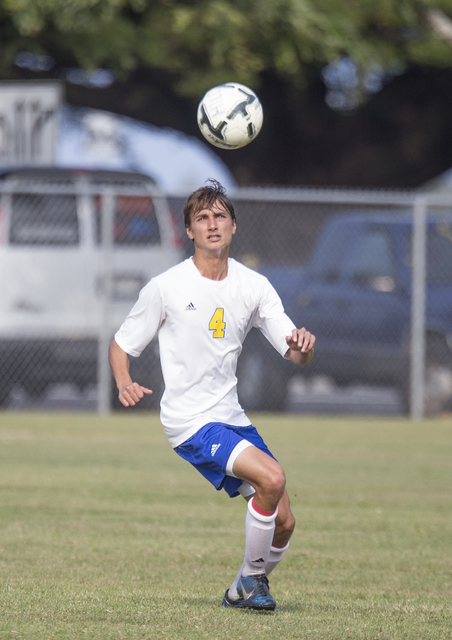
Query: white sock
x,y
259,529
232,593
274,558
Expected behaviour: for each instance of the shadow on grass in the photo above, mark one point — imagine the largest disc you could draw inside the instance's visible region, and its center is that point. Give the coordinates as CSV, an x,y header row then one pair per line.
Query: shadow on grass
x,y
217,603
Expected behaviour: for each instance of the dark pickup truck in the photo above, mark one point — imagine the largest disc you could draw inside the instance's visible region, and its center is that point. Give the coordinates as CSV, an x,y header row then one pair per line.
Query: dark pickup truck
x,y
355,296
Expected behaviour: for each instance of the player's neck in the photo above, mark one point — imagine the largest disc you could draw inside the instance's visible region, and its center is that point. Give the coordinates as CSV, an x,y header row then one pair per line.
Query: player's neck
x,y
212,267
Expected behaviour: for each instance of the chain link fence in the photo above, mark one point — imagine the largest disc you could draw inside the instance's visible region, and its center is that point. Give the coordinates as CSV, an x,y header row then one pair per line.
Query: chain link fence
x,y
75,250
369,273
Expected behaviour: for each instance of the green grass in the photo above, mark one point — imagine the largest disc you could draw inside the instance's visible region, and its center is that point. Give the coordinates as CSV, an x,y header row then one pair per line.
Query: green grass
x,y
105,533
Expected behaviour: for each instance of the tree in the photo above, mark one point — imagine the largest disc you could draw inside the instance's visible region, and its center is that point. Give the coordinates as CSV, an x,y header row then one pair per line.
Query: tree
x,y
167,53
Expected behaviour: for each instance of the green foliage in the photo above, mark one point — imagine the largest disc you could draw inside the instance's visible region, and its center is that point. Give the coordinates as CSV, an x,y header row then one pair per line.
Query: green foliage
x,y
203,42
106,533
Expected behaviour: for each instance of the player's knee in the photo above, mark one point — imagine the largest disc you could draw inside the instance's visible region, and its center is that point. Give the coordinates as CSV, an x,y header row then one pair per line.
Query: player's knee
x,y
275,482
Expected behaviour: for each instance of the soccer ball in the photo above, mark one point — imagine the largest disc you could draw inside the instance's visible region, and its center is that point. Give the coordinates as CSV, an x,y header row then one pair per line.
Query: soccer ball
x,y
230,116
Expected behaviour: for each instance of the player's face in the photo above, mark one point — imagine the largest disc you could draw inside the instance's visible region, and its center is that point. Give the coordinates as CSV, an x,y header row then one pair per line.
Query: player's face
x,y
211,229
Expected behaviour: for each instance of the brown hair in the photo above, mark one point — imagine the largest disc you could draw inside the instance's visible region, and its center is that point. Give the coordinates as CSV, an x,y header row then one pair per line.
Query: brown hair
x,y
206,198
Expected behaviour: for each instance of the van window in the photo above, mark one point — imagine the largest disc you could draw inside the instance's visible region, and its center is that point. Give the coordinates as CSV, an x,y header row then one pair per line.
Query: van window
x,y
135,221
44,220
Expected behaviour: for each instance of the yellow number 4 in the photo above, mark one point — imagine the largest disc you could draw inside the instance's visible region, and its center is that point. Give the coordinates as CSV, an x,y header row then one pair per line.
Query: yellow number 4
x,y
217,324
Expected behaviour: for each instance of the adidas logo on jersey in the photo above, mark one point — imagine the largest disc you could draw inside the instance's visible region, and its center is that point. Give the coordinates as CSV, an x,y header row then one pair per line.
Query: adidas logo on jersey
x,y
214,449
190,307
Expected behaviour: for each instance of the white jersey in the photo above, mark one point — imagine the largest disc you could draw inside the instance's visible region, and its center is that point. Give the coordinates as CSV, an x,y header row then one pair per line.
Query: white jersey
x,y
201,325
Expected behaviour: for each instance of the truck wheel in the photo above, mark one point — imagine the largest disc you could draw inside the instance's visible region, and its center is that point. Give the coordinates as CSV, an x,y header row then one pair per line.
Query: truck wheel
x,y
148,403
262,383
438,378
36,389
438,388
5,390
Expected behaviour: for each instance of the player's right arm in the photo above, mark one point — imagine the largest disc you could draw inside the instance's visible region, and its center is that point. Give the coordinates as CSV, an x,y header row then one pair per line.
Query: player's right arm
x,y
129,392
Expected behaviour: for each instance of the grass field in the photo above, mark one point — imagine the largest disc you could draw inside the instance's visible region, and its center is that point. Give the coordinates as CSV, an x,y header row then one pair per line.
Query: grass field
x,y
105,533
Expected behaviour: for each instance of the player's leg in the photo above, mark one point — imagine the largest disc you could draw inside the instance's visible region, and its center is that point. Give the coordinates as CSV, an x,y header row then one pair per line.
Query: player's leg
x,y
284,527
265,527
230,458
284,523
263,473
266,475
250,587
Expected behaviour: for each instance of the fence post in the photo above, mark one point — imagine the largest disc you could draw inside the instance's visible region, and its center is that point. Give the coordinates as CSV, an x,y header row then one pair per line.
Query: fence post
x,y
104,337
418,289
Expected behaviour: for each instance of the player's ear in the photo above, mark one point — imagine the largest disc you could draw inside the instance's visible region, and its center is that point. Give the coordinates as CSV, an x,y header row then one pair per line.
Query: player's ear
x,y
234,226
189,233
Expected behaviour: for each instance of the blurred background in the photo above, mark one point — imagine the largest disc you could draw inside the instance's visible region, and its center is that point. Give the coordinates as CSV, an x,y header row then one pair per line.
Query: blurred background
x,y
343,200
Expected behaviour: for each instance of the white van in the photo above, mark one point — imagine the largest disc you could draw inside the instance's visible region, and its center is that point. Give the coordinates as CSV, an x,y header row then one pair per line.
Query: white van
x,y
56,262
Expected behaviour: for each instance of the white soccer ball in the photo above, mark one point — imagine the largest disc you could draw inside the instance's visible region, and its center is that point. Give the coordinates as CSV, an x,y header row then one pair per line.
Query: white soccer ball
x,y
230,116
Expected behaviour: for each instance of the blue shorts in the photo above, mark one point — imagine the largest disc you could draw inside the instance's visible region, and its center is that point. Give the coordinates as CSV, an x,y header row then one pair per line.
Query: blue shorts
x,y
210,448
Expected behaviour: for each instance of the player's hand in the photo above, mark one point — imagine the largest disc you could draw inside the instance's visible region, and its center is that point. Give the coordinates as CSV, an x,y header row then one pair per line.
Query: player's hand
x,y
131,394
301,340
301,345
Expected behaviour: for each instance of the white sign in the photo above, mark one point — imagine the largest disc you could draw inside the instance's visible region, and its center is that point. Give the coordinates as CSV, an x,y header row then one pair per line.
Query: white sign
x,y
103,139
29,122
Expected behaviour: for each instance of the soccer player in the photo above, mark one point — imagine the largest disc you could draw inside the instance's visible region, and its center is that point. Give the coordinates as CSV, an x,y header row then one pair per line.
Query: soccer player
x,y
202,310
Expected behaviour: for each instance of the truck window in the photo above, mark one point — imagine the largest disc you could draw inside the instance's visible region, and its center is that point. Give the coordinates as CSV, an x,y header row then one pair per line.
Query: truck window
x,y
439,253
135,221
370,262
327,265
44,220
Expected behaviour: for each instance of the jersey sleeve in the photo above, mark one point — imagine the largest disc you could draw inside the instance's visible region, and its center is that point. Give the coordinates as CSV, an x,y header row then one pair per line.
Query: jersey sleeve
x,y
272,320
143,321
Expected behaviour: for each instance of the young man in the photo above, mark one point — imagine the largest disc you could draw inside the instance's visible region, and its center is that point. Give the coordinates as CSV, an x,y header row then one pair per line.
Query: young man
x,y
202,310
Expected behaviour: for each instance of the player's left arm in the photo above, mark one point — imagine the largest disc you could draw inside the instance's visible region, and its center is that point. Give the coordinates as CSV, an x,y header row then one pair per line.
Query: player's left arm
x,y
301,346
